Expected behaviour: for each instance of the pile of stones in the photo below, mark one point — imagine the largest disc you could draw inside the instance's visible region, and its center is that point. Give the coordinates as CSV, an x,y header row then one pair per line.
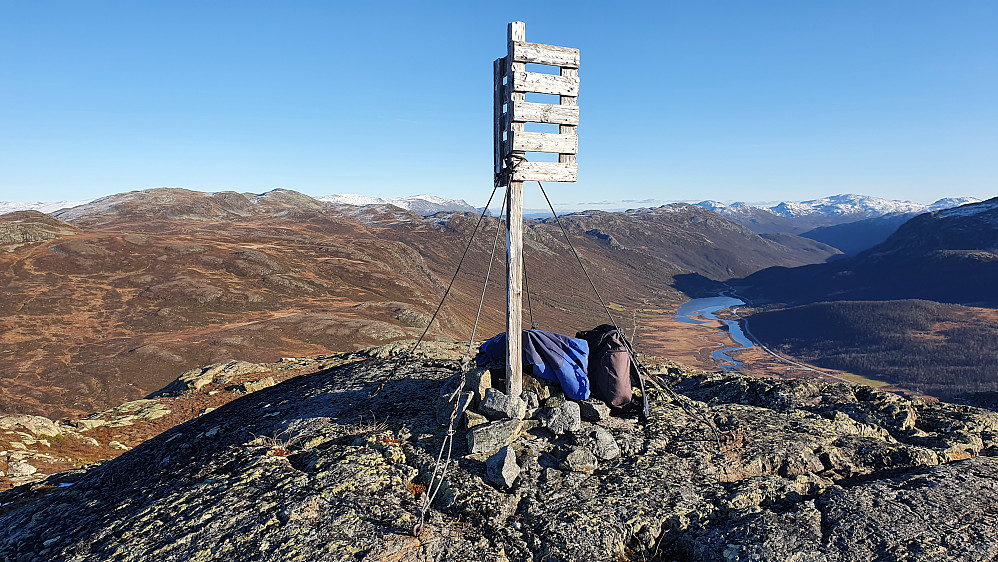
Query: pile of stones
x,y
500,428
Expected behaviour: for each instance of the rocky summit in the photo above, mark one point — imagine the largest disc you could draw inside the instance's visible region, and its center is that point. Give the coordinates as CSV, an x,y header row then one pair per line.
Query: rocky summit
x,y
336,465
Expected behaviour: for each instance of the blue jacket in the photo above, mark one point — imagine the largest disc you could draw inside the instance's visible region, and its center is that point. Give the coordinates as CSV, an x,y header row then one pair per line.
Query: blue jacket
x,y
551,356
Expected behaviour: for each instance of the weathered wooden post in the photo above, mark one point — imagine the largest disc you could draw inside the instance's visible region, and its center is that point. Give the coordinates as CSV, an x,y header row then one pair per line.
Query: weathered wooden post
x,y
513,142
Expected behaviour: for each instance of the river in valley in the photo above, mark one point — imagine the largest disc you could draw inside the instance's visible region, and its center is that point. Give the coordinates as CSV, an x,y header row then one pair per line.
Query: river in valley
x,y
701,311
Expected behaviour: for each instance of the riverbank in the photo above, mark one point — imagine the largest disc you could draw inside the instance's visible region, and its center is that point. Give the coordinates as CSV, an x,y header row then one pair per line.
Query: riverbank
x,y
708,342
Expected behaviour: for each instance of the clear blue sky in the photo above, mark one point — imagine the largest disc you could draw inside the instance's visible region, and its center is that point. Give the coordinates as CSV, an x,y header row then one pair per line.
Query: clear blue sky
x,y
726,100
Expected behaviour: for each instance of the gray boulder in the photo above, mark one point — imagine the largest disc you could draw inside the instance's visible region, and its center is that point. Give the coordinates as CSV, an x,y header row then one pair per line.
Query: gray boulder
x,y
581,459
498,405
594,410
501,467
493,436
478,380
603,444
21,468
564,418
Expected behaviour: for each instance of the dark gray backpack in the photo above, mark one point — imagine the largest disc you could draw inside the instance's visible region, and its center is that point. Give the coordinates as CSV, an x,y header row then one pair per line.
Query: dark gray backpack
x,y
611,369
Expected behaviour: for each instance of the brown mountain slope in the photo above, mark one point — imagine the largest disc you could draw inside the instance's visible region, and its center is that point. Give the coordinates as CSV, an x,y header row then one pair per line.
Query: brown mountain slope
x,y
160,281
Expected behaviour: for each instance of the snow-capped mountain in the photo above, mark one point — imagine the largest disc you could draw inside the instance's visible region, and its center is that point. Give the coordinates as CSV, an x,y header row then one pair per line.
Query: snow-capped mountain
x,y
419,204
862,205
849,205
41,206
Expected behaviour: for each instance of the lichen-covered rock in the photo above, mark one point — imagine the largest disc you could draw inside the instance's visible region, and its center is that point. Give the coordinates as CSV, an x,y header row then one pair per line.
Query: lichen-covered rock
x,y
602,444
473,419
253,386
580,459
564,417
198,378
542,388
493,436
502,468
444,406
36,425
797,471
498,405
594,410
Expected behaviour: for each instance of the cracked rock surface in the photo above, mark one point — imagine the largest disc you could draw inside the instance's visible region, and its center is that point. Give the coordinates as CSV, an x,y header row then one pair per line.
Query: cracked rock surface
x,y
315,468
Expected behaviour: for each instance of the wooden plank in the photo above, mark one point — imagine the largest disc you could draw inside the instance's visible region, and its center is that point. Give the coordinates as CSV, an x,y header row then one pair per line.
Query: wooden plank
x,y
537,53
525,141
569,128
546,171
544,113
498,98
543,83
514,236
514,293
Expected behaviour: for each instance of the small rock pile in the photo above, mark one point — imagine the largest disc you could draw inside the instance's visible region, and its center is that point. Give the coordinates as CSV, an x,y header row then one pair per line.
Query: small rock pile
x,y
506,431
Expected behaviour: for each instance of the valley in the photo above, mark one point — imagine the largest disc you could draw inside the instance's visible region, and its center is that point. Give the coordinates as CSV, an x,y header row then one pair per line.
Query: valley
x,y
103,311
133,289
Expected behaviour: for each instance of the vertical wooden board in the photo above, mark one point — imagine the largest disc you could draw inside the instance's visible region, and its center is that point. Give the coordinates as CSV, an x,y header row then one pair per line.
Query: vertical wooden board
x,y
567,128
514,237
514,294
498,97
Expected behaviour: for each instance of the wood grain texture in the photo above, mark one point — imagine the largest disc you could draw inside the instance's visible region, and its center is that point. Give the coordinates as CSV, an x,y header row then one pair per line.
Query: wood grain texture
x,y
544,113
516,32
514,290
536,82
546,171
527,141
537,53
569,128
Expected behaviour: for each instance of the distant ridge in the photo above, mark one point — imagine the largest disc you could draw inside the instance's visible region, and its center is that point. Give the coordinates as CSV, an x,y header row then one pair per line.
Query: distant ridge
x,y
419,204
842,205
40,206
946,256
424,205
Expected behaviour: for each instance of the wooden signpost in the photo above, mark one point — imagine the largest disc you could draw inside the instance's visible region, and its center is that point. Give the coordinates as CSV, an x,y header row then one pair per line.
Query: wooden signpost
x,y
512,143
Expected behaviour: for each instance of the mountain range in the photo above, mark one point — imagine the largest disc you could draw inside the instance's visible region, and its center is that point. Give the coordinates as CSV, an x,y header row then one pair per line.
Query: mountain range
x,y
844,206
945,256
849,222
335,456
917,310
420,204
115,296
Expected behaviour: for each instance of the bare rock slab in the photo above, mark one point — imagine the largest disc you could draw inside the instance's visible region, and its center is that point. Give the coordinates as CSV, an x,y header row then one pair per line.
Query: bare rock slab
x,y
261,384
493,436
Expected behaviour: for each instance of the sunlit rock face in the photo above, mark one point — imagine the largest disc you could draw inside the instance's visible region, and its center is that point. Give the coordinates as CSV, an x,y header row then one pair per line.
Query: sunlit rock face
x,y
325,466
